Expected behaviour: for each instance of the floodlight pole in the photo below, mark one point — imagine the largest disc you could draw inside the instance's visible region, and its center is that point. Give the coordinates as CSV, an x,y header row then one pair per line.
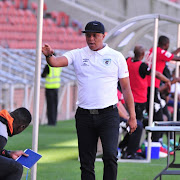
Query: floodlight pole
x,y
37,84
153,69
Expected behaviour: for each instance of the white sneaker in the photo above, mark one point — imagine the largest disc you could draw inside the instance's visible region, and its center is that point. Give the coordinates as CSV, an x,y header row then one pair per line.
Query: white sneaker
x,y
163,152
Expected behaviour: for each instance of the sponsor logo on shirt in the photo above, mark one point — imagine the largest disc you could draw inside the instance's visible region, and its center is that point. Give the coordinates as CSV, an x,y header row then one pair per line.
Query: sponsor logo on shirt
x,y
166,53
85,62
107,62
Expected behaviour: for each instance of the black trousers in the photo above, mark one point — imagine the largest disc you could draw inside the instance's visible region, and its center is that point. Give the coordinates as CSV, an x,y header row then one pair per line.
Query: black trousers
x,y
158,112
131,141
91,126
139,108
10,169
52,103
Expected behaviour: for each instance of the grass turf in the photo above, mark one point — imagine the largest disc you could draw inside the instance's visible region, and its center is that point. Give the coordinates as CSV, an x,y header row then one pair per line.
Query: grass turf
x,y
59,150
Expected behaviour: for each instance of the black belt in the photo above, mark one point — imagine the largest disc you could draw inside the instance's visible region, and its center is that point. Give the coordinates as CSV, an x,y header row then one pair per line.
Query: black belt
x,y
98,111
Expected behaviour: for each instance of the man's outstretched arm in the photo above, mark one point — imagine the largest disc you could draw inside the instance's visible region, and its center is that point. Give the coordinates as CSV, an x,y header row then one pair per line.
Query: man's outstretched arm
x,y
52,60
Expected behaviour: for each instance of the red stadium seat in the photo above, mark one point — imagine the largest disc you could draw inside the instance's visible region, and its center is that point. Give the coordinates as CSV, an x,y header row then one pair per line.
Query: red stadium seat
x,y
34,6
70,31
45,7
17,3
25,4
12,11
20,13
7,4
61,30
4,11
13,44
54,14
18,27
1,5
27,13
62,19
3,20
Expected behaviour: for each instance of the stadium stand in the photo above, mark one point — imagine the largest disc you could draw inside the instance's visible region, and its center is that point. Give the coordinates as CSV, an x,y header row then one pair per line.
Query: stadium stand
x,y
62,25
18,24
18,27
17,83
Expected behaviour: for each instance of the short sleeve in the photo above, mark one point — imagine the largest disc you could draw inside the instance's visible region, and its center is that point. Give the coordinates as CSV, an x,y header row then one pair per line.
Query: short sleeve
x,y
123,68
70,55
3,130
3,142
144,70
165,55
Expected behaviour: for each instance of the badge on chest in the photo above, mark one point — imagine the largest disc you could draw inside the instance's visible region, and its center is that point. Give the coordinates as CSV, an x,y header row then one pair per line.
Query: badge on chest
x,y
107,62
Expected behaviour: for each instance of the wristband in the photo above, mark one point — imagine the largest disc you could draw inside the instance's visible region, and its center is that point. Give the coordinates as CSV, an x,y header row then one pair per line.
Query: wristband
x,y
5,153
49,56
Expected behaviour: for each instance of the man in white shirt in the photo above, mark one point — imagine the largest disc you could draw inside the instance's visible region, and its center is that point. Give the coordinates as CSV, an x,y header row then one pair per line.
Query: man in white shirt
x,y
98,69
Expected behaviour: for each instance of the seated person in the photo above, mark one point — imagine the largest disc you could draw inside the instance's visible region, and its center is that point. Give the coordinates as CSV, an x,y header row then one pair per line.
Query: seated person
x,y
11,124
164,93
168,94
176,79
172,92
130,144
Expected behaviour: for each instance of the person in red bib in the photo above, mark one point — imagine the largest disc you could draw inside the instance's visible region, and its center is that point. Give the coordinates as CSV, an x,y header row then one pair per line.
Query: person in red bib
x,y
11,124
138,74
131,142
163,56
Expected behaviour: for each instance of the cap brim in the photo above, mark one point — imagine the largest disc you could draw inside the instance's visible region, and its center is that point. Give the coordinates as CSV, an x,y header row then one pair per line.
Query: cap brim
x,y
91,31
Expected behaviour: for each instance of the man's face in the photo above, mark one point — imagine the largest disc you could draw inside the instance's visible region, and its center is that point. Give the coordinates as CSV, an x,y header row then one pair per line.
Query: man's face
x,y
167,46
95,41
17,128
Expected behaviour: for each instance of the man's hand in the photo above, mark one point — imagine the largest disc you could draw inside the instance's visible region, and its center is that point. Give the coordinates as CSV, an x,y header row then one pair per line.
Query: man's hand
x,y
132,123
168,85
47,50
15,154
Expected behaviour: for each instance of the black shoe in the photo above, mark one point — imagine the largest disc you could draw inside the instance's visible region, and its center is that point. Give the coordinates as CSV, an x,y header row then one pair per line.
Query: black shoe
x,y
131,156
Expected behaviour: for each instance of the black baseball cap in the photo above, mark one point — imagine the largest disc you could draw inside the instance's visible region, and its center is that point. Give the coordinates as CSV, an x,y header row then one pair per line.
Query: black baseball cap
x,y
94,26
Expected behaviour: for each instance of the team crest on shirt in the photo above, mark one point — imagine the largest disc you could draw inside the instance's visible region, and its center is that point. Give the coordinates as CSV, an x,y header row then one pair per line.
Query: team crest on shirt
x,y
85,62
107,62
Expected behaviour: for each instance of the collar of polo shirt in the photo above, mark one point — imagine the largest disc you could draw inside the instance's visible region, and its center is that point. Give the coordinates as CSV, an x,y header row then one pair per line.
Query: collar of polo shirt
x,y
101,51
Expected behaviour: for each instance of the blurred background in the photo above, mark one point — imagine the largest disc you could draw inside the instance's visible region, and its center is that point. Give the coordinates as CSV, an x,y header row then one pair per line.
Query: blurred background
x,y
63,21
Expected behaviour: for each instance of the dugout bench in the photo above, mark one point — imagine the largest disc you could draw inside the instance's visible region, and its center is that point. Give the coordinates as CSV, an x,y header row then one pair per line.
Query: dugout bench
x,y
168,127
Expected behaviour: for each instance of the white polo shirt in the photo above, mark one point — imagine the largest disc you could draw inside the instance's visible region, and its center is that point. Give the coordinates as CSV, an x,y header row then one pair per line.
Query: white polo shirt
x,y
3,130
97,75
